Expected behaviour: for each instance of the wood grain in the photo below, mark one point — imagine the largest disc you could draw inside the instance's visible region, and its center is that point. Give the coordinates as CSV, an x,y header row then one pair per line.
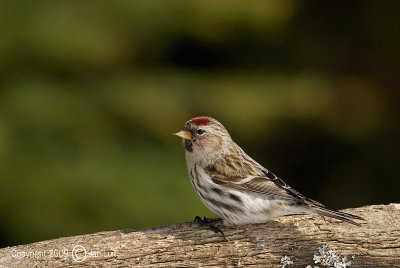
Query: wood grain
x,y
375,244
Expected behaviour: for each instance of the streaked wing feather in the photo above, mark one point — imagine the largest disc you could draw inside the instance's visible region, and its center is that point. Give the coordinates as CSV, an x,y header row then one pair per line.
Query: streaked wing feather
x,y
269,184
259,185
292,191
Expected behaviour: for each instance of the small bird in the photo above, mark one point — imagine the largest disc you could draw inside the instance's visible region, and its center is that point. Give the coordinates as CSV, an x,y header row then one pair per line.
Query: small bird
x,y
234,186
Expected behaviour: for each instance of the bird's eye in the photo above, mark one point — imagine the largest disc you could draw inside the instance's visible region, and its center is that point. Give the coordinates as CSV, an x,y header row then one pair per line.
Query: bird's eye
x,y
200,131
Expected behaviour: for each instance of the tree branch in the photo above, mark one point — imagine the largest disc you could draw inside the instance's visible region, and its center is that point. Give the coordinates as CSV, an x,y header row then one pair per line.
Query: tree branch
x,y
375,244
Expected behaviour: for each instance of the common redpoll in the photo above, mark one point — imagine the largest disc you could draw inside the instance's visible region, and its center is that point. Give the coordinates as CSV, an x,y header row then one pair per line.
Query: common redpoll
x,y
234,186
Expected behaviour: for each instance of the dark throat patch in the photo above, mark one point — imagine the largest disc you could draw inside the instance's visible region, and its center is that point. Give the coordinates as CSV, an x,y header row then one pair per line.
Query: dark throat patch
x,y
189,146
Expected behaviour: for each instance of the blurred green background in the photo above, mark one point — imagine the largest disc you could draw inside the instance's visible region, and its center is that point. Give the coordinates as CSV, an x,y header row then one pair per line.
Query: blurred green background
x,y
90,93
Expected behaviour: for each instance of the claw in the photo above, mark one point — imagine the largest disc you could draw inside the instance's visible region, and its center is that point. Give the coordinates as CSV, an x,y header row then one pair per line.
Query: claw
x,y
209,223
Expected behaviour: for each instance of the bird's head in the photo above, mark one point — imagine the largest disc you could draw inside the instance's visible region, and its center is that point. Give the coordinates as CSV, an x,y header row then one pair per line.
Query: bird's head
x,y
204,138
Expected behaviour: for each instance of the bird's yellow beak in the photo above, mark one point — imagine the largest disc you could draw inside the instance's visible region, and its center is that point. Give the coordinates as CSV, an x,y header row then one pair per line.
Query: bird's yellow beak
x,y
184,134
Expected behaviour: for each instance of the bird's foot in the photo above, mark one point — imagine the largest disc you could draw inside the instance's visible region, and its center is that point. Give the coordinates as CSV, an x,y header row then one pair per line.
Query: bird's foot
x,y
210,224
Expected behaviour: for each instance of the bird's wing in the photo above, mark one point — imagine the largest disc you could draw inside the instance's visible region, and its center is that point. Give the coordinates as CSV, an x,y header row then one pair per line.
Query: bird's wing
x,y
271,185
267,184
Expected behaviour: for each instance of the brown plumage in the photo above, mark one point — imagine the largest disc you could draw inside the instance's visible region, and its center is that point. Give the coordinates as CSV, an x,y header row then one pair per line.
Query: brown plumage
x,y
233,185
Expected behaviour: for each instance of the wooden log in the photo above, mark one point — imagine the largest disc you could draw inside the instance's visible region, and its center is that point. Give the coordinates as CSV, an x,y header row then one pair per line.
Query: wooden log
x,y
375,244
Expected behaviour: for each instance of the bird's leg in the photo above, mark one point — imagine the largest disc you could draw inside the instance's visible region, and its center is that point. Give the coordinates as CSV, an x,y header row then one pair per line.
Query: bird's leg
x,y
210,224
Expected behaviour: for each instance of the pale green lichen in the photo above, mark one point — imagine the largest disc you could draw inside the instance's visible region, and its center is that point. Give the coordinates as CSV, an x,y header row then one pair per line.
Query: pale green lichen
x,y
325,258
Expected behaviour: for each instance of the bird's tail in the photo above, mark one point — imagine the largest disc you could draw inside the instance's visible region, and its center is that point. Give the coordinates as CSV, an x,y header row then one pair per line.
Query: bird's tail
x,y
338,215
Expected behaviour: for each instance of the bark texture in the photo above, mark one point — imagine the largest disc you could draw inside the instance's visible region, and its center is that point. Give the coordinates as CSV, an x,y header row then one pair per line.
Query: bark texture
x,y
375,244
